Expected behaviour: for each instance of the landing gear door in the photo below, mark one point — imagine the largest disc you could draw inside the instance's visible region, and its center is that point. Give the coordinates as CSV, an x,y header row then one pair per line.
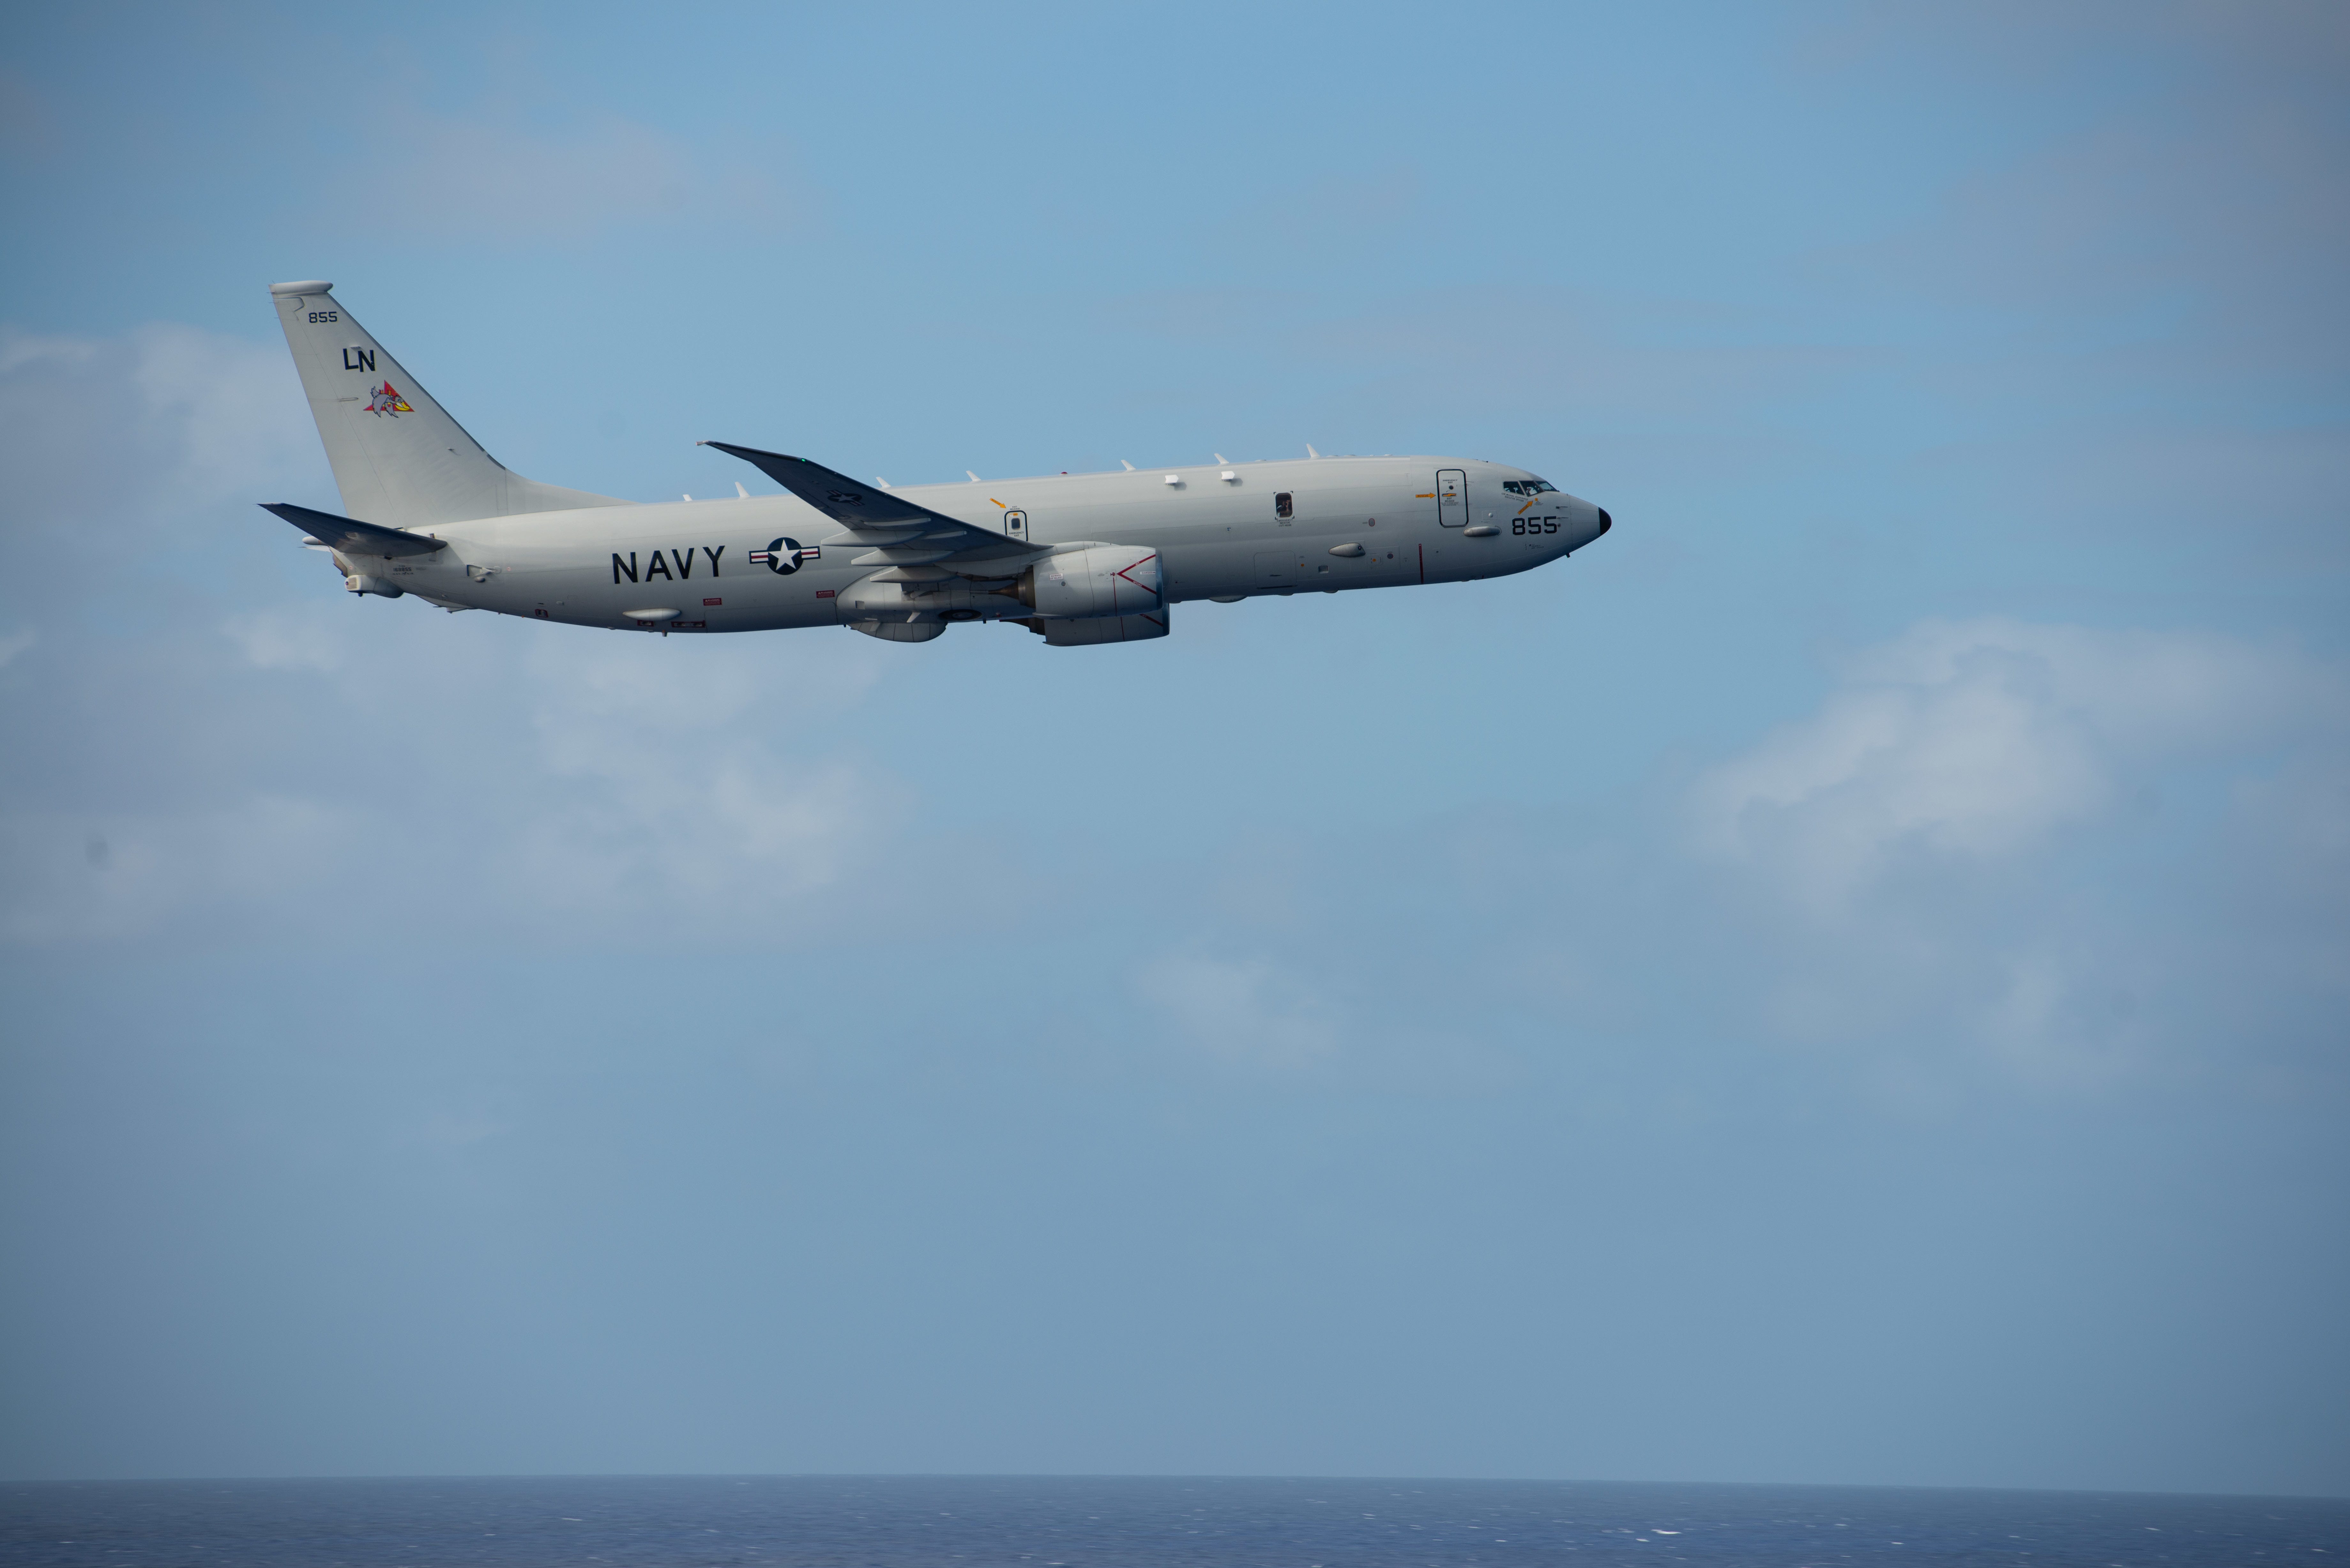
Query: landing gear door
x,y
1452,497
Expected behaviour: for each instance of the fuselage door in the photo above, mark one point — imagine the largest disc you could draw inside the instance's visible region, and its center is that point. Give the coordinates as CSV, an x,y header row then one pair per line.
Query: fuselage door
x,y
1452,497
1016,523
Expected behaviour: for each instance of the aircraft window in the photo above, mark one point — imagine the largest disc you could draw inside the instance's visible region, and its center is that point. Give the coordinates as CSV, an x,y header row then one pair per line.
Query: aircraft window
x,y
1281,504
1513,487
1537,486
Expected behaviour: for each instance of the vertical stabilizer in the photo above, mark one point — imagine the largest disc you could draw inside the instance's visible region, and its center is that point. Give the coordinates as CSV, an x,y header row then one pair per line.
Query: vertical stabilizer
x,y
398,458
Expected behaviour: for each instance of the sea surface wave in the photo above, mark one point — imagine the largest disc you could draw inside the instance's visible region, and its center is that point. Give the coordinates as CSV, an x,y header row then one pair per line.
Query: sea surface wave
x,y
1117,1523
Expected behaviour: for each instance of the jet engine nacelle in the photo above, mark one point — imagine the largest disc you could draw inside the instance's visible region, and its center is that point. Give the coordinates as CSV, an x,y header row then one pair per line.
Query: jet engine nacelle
x,y
1101,579
1093,631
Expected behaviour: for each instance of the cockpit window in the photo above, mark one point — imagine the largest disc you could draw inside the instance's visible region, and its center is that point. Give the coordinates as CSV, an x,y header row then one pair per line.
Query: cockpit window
x,y
1528,486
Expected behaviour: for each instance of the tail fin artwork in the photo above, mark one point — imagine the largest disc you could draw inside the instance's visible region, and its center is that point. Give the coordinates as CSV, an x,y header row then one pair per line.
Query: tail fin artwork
x,y
400,461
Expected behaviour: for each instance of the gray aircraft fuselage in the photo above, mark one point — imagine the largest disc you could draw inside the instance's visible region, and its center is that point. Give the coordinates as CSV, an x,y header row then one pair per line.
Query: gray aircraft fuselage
x,y
1217,538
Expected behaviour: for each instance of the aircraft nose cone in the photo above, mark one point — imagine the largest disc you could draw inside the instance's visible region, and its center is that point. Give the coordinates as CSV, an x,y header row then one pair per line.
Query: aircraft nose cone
x,y
1606,521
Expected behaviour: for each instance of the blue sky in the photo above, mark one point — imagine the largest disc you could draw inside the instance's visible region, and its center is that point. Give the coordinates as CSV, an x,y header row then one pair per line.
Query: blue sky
x,y
1842,981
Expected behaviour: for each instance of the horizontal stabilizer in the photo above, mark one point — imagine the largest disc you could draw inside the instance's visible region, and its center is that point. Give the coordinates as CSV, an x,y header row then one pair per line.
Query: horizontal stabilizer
x,y
349,536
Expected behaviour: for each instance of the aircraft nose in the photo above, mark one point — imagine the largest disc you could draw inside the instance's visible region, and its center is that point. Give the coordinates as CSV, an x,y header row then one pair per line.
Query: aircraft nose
x,y
1592,522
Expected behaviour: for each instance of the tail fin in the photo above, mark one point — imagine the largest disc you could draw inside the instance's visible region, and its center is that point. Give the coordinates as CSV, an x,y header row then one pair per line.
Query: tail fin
x,y
399,459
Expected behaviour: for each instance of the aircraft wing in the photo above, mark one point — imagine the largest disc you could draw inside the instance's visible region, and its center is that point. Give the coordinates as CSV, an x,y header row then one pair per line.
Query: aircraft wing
x,y
896,531
350,535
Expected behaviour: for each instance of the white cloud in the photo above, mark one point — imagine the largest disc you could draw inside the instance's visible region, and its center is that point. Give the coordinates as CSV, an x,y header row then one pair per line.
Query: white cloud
x,y
1978,739
234,408
444,772
2063,855
455,781
732,844
664,786
287,637
1244,1011
155,427
20,351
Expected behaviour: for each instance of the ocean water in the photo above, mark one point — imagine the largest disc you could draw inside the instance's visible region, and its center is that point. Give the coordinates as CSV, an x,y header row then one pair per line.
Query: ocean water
x,y
1096,1522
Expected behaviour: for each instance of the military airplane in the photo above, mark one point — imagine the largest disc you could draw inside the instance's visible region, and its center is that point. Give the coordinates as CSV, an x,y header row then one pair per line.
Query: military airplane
x,y
1080,559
